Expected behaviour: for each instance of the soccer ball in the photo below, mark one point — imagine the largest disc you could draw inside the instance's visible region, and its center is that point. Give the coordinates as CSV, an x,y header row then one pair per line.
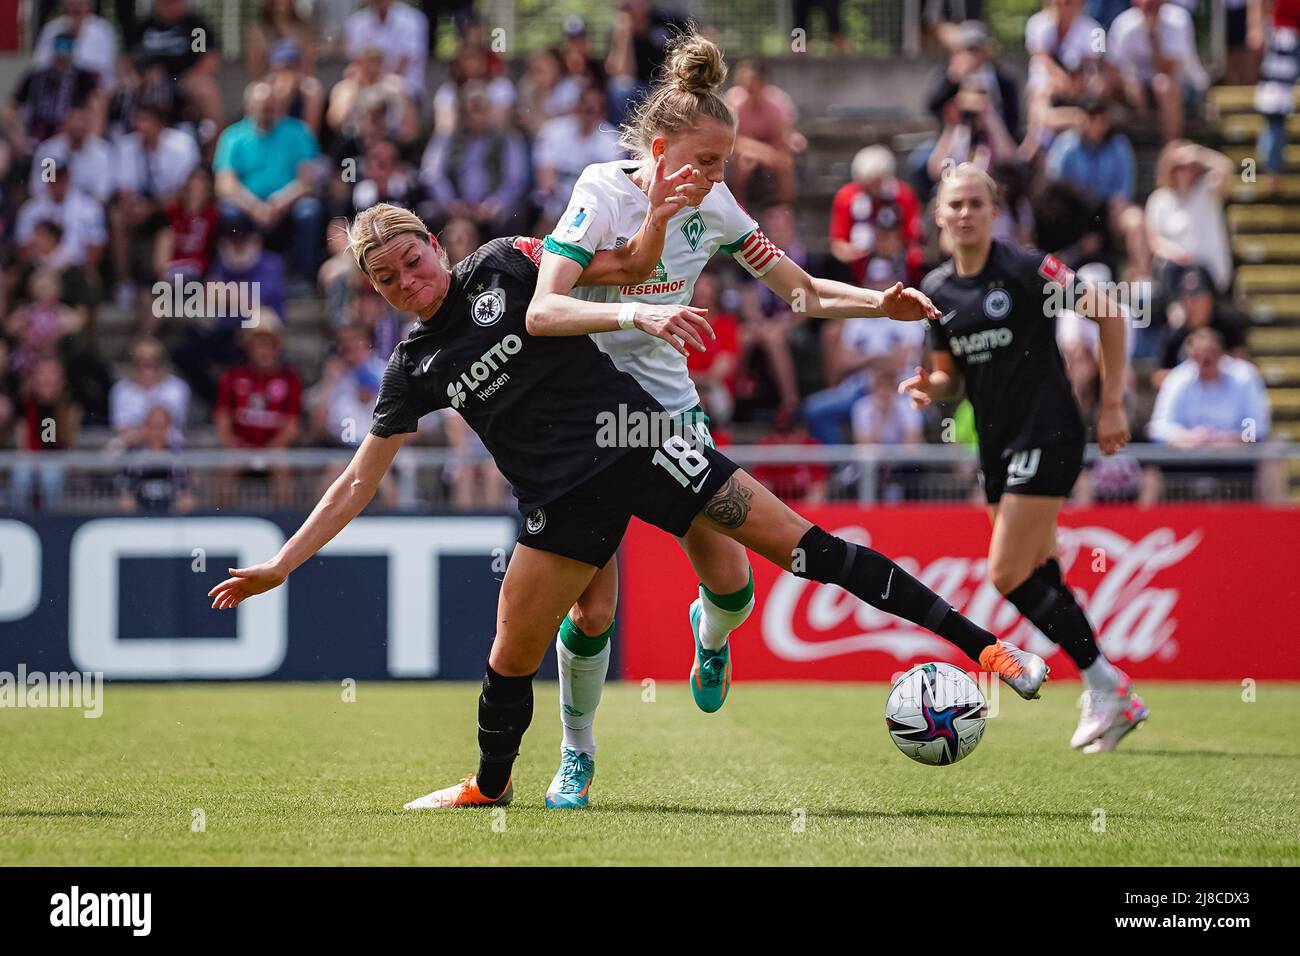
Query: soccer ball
x,y
936,714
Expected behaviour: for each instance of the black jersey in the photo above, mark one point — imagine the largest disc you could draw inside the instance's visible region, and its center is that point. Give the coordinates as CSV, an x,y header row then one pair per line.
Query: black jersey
x,y
534,400
1000,327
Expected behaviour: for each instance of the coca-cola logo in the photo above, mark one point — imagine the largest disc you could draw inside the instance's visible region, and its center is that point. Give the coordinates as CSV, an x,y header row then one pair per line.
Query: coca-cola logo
x,y
1134,617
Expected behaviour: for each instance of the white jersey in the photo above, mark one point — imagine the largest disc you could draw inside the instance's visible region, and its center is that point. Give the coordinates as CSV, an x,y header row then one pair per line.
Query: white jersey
x,y
605,211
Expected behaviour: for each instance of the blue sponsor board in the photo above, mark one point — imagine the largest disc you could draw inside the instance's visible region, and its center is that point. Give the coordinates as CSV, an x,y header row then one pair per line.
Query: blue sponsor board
x,y
410,596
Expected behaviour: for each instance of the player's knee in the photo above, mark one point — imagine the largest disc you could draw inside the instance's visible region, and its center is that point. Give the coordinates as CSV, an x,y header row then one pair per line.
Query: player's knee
x,y
594,616
1006,576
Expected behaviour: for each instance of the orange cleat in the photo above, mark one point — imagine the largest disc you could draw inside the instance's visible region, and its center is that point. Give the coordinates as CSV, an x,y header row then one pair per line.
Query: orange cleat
x,y
1020,670
464,794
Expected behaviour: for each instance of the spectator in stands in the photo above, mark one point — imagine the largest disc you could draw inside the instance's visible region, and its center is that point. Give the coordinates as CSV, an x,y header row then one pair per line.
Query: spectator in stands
x,y
259,404
1105,11
1185,214
158,488
44,96
884,417
265,168
43,252
797,482
1099,160
459,239
714,370
1195,307
636,50
367,103
183,45
338,277
855,211
10,389
565,146
545,93
278,21
1015,222
36,327
1153,45
79,217
151,167
761,170
1243,59
1066,50
474,66
297,92
1278,36
208,347
1210,399
480,170
970,55
94,42
341,404
476,484
186,245
972,133
51,421
579,62
140,81
86,155
831,22
401,32
148,384
386,178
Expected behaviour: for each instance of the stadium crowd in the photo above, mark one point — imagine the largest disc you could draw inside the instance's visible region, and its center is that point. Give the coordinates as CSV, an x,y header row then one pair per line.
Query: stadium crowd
x,y
121,171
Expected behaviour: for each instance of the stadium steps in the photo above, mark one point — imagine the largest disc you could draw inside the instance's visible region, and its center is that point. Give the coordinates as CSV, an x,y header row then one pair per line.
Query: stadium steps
x,y
1280,370
1263,218
1254,280
1267,247
1275,309
1241,155
1277,342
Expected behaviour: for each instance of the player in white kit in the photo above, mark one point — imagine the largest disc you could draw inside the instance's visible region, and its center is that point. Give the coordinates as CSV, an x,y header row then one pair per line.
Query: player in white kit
x,y
682,122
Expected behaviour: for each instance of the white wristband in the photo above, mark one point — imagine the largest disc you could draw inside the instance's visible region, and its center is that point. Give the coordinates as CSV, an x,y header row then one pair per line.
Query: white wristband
x,y
627,316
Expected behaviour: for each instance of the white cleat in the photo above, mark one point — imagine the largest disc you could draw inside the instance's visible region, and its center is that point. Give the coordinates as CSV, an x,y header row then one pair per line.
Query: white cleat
x,y
1129,720
1104,709
464,794
1022,671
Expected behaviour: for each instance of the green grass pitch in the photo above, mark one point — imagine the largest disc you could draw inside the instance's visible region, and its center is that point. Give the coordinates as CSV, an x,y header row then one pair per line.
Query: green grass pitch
x,y
784,774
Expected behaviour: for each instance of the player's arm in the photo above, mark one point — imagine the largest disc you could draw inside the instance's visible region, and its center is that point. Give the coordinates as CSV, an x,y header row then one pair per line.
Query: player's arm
x,y
1112,325
828,299
943,383
554,312
636,260
345,499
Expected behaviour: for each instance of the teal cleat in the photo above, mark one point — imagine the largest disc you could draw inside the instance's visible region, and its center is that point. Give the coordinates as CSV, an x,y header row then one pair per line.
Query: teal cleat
x,y
570,789
711,672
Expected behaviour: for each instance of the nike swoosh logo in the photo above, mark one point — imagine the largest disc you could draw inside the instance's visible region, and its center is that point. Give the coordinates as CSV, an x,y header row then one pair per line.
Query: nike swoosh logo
x,y
697,488
945,318
429,361
1016,481
888,585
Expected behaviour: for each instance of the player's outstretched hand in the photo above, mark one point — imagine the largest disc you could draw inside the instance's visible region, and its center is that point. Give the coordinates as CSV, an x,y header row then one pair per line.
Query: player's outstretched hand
x,y
244,583
1112,429
670,193
677,325
908,304
917,388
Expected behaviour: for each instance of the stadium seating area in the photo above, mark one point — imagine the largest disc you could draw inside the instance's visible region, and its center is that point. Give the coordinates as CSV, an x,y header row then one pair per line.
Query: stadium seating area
x,y
128,184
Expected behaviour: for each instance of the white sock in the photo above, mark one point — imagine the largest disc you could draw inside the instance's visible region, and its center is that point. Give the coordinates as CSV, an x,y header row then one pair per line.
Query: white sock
x,y
716,624
1101,674
581,681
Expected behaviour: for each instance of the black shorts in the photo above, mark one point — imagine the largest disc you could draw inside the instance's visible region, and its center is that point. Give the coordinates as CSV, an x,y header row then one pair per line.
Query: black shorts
x,y
1039,472
666,487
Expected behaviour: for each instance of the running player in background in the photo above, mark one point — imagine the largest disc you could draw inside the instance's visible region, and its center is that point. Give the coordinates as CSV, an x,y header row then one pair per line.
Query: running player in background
x,y
683,122
997,336
536,401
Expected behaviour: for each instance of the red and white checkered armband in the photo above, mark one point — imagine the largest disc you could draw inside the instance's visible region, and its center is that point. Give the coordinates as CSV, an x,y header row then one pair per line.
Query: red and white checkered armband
x,y
757,254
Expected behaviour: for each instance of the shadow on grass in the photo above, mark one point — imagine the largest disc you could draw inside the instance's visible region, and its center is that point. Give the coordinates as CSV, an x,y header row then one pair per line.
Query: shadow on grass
x,y
20,814
1135,752
914,813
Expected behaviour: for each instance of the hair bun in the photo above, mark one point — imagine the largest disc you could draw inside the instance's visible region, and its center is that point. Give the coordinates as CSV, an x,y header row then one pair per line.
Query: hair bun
x,y
694,64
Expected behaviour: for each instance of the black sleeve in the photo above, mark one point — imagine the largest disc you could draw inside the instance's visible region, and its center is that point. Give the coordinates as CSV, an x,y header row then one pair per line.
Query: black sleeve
x,y
395,410
936,336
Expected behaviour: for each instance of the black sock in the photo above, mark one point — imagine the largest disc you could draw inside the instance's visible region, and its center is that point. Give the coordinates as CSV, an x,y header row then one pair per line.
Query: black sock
x,y
1048,602
880,582
505,709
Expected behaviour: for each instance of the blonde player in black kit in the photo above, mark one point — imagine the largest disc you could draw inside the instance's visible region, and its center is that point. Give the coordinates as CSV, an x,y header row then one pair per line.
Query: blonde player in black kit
x,y
535,392
997,336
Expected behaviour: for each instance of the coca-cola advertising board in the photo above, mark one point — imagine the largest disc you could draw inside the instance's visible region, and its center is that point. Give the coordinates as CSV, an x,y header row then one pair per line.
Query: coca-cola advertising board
x,y
1183,593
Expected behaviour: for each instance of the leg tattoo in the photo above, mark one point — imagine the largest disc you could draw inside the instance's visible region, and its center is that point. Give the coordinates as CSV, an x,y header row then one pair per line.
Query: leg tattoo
x,y
730,506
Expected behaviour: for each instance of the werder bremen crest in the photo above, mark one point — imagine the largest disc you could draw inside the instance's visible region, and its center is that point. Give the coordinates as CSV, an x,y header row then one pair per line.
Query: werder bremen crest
x,y
693,229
